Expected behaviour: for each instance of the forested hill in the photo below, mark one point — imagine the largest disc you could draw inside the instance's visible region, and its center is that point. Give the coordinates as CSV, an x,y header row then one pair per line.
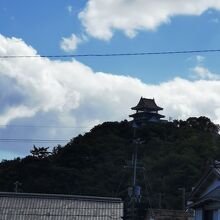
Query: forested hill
x,y
174,155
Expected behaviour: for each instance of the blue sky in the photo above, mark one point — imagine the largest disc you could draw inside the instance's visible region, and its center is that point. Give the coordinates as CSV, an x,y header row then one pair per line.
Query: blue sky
x,y
87,91
42,24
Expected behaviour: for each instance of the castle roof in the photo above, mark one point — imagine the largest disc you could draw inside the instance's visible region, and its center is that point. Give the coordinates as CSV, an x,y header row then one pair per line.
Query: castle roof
x,y
144,104
143,114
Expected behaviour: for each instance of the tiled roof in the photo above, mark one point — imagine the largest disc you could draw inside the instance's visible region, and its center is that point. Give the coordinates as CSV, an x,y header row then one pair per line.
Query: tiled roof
x,y
24,206
197,197
149,115
211,172
213,196
146,104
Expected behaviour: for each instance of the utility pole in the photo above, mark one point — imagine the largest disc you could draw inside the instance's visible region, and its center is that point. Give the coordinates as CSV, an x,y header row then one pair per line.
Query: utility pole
x,y
134,164
160,200
183,189
134,178
136,190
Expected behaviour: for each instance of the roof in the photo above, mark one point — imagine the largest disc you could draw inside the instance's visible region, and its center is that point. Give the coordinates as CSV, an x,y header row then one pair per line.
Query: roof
x,y
207,189
212,172
144,104
60,196
27,206
147,115
213,196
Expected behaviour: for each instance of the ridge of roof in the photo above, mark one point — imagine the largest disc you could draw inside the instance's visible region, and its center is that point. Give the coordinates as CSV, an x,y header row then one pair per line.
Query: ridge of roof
x,y
149,113
146,103
59,196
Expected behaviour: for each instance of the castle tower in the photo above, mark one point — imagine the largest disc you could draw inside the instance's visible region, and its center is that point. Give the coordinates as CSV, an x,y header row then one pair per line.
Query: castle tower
x,y
146,111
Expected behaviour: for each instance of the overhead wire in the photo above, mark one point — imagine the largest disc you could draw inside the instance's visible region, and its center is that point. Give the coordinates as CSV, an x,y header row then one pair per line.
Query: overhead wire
x,y
40,126
24,140
31,140
112,54
87,55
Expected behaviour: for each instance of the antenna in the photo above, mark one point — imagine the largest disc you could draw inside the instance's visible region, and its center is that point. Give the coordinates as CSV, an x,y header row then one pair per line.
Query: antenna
x,y
17,186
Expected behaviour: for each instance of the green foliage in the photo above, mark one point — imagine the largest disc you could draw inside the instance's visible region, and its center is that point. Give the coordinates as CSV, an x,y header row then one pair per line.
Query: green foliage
x,y
40,152
174,154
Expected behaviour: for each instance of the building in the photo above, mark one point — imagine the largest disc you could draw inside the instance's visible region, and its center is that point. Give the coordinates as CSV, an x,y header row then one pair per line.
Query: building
x,y
146,111
205,197
25,206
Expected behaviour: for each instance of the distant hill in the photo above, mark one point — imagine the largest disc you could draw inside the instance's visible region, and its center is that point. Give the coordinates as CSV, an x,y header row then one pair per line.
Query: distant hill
x,y
174,155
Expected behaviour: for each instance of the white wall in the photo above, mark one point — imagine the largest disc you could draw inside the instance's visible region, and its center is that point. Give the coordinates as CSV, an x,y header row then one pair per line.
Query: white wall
x,y
216,215
198,214
218,211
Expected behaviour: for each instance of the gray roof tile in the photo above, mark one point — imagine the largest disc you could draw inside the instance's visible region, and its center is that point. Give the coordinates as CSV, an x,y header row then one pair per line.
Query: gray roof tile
x,y
20,206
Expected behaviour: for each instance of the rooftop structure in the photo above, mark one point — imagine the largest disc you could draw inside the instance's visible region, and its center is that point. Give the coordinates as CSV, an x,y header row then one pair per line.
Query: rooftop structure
x,y
27,206
146,111
205,197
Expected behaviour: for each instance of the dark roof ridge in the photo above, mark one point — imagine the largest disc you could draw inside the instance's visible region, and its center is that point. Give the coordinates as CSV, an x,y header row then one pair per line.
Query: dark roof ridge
x,y
146,103
59,196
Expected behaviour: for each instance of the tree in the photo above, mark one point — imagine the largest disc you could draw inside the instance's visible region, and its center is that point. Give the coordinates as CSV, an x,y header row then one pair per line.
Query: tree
x,y
40,152
175,154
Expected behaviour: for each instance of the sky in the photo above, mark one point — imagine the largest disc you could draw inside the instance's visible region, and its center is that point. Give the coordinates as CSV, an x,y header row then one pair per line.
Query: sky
x,y
59,98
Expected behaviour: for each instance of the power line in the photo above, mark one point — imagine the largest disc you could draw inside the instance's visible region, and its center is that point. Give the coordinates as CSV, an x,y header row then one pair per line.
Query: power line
x,y
41,126
24,140
112,54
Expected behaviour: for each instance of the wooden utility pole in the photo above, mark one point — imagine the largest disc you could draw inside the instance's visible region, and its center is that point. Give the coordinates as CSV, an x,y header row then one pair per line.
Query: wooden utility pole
x,y
183,189
136,190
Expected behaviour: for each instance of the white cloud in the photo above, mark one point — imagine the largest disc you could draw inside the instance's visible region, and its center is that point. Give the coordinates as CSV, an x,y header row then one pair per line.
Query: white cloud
x,y
204,73
69,8
201,72
17,112
70,86
100,18
200,58
70,93
215,20
70,43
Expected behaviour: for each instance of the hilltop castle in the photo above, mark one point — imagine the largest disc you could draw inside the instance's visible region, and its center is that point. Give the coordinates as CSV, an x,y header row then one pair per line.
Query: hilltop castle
x,y
146,111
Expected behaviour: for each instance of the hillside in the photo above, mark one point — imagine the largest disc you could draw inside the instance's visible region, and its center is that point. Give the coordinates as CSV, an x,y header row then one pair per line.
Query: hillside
x,y
174,155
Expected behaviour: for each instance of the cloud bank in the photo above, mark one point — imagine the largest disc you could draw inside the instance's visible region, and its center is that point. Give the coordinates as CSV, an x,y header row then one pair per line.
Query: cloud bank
x,y
42,85
71,94
100,18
